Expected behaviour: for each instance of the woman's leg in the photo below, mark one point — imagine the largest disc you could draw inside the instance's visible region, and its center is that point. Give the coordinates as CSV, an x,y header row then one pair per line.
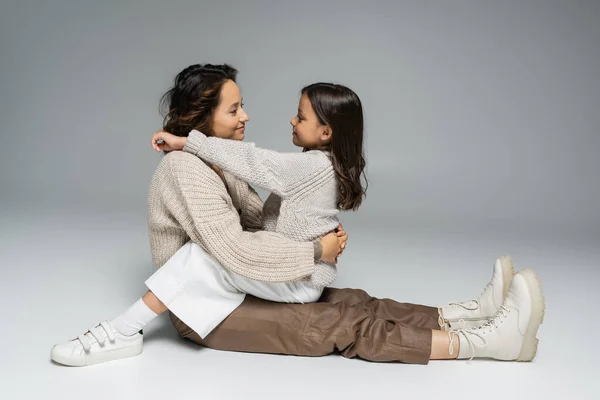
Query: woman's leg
x,y
315,329
387,309
441,348
509,335
401,313
355,330
348,321
470,313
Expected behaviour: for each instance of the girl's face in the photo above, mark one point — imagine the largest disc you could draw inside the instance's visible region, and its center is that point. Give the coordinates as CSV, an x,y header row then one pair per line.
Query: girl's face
x,y
307,131
229,117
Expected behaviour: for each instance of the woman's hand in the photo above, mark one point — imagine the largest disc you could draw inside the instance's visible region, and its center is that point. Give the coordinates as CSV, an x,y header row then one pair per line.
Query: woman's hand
x,y
333,245
341,233
169,142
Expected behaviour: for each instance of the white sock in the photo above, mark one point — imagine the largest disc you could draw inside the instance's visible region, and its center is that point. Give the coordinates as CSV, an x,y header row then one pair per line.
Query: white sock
x,y
134,319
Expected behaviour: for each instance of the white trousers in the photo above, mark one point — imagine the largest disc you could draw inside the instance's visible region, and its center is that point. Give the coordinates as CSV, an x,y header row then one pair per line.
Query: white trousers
x,y
202,293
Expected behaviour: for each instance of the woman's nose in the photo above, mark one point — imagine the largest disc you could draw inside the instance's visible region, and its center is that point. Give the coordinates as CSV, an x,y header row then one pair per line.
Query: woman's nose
x,y
245,117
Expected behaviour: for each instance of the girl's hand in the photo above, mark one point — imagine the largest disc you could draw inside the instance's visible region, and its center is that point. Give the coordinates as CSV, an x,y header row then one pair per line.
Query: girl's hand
x,y
169,142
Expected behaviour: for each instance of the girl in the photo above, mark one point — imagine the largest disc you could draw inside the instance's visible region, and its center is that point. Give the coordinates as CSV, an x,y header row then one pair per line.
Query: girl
x,y
190,201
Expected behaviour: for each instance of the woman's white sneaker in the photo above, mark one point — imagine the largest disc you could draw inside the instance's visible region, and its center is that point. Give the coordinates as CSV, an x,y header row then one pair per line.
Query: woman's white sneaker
x,y
100,344
472,313
511,333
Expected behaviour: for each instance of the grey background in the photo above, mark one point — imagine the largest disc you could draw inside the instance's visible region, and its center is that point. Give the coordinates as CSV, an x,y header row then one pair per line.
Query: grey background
x,y
481,139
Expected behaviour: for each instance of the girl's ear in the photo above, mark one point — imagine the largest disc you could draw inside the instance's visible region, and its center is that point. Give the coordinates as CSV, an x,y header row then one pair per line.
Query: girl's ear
x,y
326,134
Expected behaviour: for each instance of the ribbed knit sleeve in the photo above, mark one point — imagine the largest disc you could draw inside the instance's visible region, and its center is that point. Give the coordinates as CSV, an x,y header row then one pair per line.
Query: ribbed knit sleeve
x,y
279,173
253,211
248,202
196,197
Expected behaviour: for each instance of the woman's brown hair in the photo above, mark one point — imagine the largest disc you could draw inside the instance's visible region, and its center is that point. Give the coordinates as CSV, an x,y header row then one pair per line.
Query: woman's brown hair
x,y
195,95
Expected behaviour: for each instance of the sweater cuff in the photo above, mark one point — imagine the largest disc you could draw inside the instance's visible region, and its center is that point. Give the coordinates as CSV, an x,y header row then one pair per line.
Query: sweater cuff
x,y
318,250
194,142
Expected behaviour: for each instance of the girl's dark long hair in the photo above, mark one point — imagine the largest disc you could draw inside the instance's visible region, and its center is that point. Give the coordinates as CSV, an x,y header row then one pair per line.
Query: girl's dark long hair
x,y
191,102
341,109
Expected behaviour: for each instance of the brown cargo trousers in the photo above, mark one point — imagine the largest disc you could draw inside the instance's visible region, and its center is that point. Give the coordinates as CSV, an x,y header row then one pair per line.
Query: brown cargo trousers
x,y
344,321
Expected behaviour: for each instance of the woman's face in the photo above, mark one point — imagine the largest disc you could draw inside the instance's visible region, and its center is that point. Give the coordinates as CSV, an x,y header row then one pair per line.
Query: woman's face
x,y
229,117
307,130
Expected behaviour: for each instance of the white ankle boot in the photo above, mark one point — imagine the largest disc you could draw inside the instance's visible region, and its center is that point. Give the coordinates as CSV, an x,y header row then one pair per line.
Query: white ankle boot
x,y
100,344
472,313
511,333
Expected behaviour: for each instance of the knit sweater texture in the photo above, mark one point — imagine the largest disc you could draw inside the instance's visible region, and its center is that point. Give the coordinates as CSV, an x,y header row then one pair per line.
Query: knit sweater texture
x,y
188,201
303,186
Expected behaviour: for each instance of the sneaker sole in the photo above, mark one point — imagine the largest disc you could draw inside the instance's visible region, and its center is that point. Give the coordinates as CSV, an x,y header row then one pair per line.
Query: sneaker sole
x,y
508,270
97,358
538,310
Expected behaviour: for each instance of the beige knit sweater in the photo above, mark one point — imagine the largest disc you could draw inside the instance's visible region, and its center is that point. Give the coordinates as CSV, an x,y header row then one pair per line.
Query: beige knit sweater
x,y
188,200
303,185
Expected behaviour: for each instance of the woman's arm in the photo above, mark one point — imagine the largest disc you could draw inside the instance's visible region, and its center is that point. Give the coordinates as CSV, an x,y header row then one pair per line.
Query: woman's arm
x,y
196,198
248,202
276,172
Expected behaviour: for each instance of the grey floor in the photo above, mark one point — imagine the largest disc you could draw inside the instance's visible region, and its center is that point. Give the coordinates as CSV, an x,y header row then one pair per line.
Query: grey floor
x,y
61,274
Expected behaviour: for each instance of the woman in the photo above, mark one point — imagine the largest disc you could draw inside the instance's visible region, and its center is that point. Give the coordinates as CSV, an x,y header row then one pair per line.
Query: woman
x,y
501,324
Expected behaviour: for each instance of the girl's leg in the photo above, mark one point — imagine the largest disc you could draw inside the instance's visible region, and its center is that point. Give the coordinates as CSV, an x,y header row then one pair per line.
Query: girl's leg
x,y
154,303
140,314
185,285
118,338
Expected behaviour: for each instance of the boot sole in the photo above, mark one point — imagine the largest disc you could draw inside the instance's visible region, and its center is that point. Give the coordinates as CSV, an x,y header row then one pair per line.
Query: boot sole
x,y
508,270
538,310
